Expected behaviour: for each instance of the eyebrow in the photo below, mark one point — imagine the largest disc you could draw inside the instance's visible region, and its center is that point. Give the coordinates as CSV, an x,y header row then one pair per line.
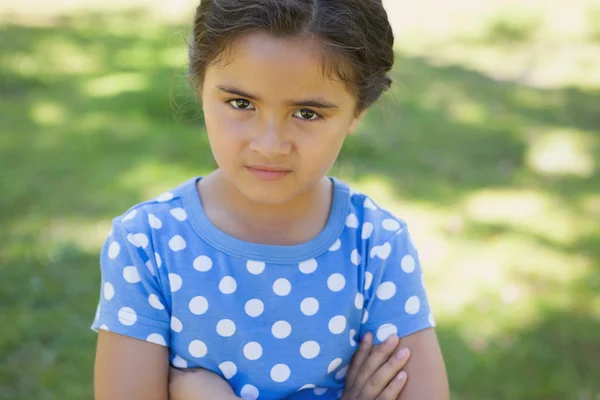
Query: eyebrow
x,y
317,102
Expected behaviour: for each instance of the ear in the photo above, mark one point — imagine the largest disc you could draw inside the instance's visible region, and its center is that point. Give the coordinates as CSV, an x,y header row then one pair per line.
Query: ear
x,y
355,122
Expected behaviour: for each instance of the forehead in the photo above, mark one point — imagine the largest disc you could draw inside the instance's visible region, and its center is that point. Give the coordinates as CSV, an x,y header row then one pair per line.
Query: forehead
x,y
264,64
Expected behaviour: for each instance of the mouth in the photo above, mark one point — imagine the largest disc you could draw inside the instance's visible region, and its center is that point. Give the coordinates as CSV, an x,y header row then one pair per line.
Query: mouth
x,y
268,173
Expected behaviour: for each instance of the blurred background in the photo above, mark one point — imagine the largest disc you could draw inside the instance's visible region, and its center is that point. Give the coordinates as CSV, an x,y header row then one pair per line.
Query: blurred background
x,y
488,145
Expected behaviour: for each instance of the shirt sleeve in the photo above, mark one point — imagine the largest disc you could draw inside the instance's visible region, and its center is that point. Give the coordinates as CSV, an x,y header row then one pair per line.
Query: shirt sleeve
x,y
394,291
131,296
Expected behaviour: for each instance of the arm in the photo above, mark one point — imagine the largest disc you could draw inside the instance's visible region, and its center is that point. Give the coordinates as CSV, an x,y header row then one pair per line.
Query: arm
x,y
130,369
198,384
427,378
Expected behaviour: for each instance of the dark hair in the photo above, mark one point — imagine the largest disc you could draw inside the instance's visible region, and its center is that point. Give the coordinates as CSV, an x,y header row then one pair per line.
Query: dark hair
x,y
355,34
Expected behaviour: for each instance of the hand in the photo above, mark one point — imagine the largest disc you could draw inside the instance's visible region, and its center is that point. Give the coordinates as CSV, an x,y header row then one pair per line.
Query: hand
x,y
375,372
198,384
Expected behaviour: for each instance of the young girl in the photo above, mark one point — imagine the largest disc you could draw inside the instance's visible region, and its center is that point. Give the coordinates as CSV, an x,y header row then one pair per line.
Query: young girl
x,y
267,271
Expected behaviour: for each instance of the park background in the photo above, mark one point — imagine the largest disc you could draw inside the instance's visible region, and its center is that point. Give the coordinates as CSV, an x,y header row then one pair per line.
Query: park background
x,y
488,145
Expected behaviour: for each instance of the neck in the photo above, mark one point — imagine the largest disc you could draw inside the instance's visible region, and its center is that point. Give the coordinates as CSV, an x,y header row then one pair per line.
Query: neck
x,y
295,221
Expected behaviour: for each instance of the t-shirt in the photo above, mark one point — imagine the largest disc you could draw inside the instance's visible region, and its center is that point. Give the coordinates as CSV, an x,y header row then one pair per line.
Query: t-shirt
x,y
275,321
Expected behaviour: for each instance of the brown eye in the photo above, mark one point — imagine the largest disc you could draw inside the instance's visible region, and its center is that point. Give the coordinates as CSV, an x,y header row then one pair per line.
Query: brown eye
x,y
307,114
241,104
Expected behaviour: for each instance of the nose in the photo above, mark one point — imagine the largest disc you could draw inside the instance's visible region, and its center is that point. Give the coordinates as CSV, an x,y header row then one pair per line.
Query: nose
x,y
270,142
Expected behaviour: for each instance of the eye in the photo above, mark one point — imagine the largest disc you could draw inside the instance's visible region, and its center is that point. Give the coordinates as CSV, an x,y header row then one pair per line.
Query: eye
x,y
307,115
241,104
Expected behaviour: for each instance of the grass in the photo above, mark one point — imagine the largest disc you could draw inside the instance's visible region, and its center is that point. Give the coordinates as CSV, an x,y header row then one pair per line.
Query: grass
x,y
490,152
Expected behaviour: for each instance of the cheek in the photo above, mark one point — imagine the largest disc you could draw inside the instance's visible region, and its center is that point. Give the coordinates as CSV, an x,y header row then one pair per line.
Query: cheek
x,y
224,132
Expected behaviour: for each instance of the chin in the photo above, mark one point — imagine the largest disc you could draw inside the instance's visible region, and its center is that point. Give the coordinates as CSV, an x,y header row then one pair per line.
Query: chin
x,y
263,194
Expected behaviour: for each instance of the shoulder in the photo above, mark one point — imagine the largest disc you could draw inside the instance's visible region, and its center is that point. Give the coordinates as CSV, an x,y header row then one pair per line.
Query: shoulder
x,y
379,233
374,221
155,216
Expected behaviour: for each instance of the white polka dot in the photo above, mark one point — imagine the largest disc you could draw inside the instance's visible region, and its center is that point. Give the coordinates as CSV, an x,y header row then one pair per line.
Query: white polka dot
x,y
198,305
281,329
320,391
130,215
341,373
155,302
390,224
164,197
227,285
113,250
280,373
104,327
282,287
352,340
150,267
307,386
367,230
369,204
154,221
382,251
158,260
310,349
197,348
336,246
337,324
386,330
131,274
179,362
228,369
359,301
157,339
179,214
365,316
202,263
309,306
255,267
308,266
431,319
336,282
368,280
110,233
138,240
333,365
109,291
412,305
254,307
352,221
386,290
253,351
226,327
355,257
127,316
249,392
175,282
408,264
177,243
176,325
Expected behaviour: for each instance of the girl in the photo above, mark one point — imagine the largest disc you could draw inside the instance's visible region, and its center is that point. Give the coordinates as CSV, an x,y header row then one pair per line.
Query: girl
x,y
267,271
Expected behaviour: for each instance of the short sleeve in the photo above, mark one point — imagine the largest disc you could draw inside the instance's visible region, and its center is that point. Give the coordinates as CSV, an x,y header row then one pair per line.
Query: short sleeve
x,y
394,291
131,296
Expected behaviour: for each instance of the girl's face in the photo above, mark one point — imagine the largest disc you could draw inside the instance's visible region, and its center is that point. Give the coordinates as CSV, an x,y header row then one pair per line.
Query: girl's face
x,y
275,122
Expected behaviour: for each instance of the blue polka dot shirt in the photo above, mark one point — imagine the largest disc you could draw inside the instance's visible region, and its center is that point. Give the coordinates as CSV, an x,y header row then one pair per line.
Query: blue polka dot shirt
x,y
275,321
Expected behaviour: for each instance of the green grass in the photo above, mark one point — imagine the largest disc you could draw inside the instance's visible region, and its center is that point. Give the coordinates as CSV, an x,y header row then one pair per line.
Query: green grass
x,y
495,170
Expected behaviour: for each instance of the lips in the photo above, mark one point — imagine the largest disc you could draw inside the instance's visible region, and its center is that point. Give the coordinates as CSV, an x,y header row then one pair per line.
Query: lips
x,y
269,168
268,173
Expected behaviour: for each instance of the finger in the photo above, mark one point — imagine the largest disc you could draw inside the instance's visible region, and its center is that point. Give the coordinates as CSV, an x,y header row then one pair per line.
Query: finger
x,y
378,356
393,389
385,374
359,357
